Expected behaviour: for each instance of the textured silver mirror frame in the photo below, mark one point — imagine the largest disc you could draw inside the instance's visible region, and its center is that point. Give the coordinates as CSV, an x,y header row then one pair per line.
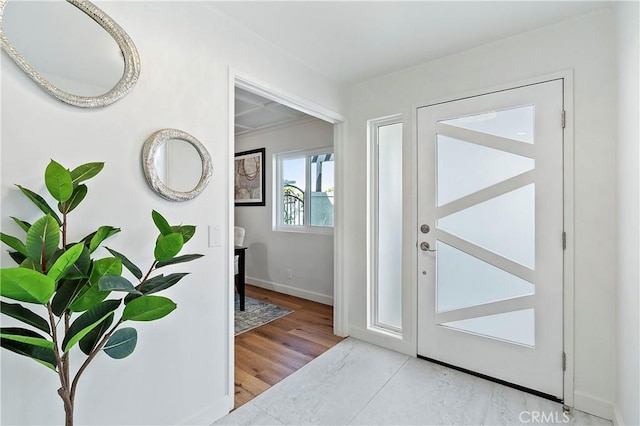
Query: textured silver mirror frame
x,y
149,153
129,52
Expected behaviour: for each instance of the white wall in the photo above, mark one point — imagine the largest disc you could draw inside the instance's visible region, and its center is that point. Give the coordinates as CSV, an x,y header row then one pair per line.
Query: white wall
x,y
270,253
627,392
179,372
584,45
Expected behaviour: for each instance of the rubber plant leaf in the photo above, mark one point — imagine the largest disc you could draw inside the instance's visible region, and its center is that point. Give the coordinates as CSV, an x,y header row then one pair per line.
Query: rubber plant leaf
x,y
17,257
44,356
14,243
40,203
85,172
17,311
79,193
122,343
148,308
127,263
187,231
67,291
167,246
160,283
179,259
88,342
25,336
43,239
101,234
81,268
90,295
65,262
26,285
161,223
22,224
87,322
111,282
58,181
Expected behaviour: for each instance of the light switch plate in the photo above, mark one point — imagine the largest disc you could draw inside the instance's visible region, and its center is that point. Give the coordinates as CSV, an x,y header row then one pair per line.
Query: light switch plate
x,y
214,236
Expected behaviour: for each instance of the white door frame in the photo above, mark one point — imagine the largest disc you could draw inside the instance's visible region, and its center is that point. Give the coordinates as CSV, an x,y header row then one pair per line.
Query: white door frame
x,y
340,308
569,202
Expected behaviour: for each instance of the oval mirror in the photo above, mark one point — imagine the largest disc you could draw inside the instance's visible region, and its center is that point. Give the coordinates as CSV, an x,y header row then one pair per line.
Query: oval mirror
x,y
176,165
59,45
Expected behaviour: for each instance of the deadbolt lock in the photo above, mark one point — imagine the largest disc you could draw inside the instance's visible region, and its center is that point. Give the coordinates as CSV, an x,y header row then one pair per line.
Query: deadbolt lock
x,y
424,246
425,229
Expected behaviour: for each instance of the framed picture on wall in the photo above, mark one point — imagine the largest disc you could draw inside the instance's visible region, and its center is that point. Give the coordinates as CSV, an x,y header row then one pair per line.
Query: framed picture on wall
x,y
250,178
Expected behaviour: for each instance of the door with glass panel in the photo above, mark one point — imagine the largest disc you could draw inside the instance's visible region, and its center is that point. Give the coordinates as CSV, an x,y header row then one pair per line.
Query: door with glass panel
x,y
490,235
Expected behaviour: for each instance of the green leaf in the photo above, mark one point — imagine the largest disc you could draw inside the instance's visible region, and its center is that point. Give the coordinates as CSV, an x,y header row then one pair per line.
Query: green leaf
x,y
90,295
148,308
85,172
44,356
25,336
65,262
14,243
87,322
187,231
76,198
26,285
101,234
80,269
17,311
43,239
161,223
127,263
40,203
88,342
110,282
58,181
168,246
161,282
67,291
30,264
22,224
179,259
17,257
122,343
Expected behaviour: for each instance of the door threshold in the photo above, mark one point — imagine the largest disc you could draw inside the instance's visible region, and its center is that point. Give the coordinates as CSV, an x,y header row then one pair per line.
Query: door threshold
x,y
493,379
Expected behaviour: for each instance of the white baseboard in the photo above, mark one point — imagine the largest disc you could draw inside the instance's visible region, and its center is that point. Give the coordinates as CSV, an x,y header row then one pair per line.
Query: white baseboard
x,y
593,405
292,291
217,410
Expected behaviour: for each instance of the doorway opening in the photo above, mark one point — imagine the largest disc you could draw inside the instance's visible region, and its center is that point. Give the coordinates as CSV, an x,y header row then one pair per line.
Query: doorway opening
x,y
283,150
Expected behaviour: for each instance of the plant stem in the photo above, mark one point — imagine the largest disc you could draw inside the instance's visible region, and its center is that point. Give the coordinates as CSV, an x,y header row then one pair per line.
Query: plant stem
x,y
65,357
64,388
92,355
153,265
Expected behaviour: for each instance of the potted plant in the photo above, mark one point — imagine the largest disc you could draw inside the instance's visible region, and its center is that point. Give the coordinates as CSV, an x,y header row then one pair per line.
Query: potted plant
x,y
73,295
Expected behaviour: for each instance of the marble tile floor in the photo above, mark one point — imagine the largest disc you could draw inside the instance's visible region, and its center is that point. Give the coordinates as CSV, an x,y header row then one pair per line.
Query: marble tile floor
x,y
356,383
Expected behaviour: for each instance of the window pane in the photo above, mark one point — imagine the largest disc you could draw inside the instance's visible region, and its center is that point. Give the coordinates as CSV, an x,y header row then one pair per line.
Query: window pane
x,y
293,184
322,190
389,226
515,123
516,326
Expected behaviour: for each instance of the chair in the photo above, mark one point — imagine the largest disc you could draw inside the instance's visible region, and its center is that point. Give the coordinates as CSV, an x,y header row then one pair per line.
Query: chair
x,y
238,240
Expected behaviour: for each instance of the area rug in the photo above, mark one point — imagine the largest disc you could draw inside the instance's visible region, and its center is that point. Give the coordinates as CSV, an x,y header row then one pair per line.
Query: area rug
x,y
256,313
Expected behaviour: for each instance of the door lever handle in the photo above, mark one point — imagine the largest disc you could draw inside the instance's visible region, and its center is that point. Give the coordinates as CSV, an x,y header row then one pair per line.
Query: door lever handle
x,y
424,246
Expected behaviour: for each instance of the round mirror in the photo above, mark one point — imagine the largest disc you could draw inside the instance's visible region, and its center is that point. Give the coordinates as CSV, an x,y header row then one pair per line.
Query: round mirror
x,y
176,165
58,44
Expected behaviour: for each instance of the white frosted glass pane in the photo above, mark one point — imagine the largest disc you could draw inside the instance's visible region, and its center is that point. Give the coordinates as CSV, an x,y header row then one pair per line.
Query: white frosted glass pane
x,y
515,123
465,168
464,281
504,225
516,326
389,256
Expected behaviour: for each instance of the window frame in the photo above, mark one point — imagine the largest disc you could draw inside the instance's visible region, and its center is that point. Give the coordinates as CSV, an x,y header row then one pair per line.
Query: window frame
x,y
278,193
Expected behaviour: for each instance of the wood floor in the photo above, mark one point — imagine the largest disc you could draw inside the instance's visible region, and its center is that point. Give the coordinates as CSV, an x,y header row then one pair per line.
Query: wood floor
x,y
268,354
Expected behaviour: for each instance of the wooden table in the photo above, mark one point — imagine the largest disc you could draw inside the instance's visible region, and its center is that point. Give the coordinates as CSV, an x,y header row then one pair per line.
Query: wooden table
x,y
240,251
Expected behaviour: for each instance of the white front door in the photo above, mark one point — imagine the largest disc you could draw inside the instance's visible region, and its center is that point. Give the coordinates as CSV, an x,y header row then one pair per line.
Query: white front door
x,y
490,237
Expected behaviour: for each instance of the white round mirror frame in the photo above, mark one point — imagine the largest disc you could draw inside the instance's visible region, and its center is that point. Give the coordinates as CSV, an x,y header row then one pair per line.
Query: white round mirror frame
x,y
129,53
150,152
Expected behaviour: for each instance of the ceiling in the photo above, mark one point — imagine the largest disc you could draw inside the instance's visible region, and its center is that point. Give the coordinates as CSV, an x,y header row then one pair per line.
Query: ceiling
x,y
255,113
353,41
